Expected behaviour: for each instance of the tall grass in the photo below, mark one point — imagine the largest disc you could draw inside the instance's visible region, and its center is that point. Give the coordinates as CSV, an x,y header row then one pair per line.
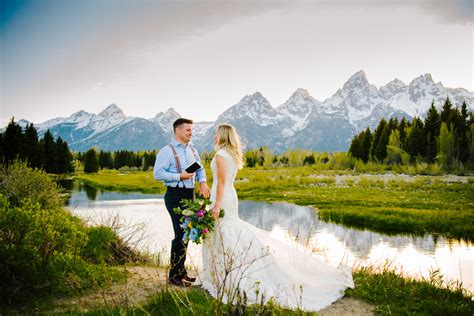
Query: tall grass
x,y
394,294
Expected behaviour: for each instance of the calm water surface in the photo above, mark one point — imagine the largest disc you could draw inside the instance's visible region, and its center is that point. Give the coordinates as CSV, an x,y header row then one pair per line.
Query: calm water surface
x,y
414,256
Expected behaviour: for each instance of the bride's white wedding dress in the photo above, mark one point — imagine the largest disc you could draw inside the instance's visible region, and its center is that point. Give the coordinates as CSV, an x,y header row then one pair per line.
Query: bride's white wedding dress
x,y
239,258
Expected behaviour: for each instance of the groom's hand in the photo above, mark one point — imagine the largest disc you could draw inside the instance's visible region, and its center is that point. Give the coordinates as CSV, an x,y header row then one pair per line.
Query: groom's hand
x,y
204,190
186,176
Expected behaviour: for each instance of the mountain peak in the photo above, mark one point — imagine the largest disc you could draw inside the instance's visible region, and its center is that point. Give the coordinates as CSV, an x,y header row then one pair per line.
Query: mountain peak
x,y
425,79
396,82
300,100
392,88
79,113
359,75
171,111
256,95
300,93
357,80
166,120
112,111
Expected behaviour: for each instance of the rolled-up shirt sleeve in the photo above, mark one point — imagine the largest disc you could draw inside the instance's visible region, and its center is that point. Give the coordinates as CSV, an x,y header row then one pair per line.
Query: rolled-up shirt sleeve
x,y
163,163
201,173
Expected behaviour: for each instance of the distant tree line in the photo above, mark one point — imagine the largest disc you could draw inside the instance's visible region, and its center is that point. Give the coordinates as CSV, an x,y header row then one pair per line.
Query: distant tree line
x,y
95,160
444,137
51,155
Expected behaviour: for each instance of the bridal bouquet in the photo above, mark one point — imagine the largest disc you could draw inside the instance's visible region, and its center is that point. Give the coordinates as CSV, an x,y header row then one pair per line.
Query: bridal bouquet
x,y
197,221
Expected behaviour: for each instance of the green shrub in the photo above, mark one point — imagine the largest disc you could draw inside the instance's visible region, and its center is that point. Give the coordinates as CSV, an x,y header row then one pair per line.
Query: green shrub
x,y
18,182
30,238
41,242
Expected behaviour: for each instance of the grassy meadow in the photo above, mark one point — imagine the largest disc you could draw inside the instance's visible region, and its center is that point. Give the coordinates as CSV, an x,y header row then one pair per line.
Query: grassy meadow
x,y
388,203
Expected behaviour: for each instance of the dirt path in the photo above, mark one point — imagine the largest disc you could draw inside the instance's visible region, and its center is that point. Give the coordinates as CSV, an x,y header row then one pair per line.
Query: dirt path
x,y
143,282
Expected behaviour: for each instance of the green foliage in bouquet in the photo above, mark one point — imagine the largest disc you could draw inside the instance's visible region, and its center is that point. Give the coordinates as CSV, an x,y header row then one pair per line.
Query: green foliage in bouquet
x,y
197,220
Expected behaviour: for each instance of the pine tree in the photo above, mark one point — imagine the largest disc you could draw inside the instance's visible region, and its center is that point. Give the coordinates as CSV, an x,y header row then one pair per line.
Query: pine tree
x,y
12,141
49,153
105,160
381,147
64,157
431,131
32,151
464,131
471,139
376,139
2,149
366,143
446,111
402,127
415,141
91,161
356,147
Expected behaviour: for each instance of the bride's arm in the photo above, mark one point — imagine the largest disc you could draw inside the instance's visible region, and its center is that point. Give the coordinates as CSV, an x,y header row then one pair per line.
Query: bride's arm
x,y
221,168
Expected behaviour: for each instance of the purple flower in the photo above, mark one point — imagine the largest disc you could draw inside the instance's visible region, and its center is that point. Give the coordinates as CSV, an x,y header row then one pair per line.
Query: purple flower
x,y
200,213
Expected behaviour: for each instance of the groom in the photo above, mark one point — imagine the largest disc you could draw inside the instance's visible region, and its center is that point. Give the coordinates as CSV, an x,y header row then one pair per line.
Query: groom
x,y
171,162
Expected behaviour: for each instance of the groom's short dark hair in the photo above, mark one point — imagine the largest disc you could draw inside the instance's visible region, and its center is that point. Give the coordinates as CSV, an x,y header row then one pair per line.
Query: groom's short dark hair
x,y
180,122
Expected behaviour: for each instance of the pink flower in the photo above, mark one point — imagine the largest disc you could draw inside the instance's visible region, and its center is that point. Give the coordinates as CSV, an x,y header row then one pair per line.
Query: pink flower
x,y
205,231
200,213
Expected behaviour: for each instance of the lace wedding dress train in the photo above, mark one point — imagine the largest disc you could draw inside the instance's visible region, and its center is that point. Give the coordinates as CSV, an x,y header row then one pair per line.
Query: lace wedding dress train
x,y
240,260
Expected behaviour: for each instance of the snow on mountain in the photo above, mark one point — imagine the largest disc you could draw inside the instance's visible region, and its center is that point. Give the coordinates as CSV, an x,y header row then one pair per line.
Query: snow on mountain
x,y
297,108
109,117
254,107
380,111
82,125
165,120
112,112
201,128
360,97
392,88
416,98
300,122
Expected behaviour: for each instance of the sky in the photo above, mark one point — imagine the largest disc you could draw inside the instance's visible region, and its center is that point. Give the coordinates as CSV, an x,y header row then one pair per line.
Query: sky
x,y
58,57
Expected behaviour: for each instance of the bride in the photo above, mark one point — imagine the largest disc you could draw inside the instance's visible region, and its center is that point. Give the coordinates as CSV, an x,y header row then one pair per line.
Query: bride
x,y
242,262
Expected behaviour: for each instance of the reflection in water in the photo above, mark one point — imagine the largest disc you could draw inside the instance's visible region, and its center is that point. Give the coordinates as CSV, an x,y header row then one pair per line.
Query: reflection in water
x,y
414,256
302,222
91,192
83,195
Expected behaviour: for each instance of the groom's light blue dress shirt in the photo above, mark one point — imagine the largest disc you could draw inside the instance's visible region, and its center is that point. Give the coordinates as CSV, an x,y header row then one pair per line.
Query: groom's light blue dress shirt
x,y
166,170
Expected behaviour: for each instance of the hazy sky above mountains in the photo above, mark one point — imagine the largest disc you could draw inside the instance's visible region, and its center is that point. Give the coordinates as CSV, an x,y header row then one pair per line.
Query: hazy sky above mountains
x,y
59,57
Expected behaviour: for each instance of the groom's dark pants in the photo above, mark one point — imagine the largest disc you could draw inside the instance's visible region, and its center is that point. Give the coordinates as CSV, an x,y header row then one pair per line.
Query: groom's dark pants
x,y
173,197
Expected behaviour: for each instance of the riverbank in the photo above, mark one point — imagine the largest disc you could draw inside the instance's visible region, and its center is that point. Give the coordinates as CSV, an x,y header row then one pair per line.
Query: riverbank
x,y
386,203
144,291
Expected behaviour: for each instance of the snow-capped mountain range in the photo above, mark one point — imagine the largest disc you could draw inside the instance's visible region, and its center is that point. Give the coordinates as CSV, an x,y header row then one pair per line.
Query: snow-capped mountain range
x,y
300,122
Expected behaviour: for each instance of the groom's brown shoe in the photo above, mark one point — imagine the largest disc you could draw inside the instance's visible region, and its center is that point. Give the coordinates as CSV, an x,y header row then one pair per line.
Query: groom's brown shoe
x,y
189,279
179,282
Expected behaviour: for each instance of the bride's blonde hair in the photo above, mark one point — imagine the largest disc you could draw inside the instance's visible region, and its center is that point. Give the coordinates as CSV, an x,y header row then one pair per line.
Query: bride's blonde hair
x,y
228,138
